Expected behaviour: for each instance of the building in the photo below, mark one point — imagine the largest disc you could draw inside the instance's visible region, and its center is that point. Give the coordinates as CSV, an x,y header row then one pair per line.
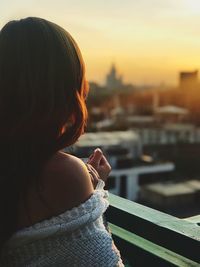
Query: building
x,y
187,78
125,143
181,198
113,81
171,113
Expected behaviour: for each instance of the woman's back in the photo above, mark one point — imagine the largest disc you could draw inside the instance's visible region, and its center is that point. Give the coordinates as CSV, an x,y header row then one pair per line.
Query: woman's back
x,y
65,184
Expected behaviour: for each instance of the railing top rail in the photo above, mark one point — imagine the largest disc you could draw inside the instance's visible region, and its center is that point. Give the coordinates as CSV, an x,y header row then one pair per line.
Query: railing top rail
x,y
159,218
178,235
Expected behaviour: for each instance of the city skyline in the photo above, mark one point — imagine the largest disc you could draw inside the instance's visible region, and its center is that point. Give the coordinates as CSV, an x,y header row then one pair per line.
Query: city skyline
x,y
149,41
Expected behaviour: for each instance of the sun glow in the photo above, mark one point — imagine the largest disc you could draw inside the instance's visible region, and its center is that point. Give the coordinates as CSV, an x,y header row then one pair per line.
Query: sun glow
x,y
193,5
150,41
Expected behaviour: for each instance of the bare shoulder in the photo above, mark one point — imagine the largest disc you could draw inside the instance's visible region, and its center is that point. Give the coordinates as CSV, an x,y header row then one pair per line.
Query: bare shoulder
x,y
67,182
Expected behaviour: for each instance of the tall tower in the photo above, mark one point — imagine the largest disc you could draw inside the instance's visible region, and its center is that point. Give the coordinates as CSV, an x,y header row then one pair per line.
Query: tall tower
x,y
112,80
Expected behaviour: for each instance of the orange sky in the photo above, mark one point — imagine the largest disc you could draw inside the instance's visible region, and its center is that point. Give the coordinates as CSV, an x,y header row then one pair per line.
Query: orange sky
x,y
149,40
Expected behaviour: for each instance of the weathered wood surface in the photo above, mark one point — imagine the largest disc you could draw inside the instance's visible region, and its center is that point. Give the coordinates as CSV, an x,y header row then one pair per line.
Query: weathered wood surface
x,y
177,235
157,255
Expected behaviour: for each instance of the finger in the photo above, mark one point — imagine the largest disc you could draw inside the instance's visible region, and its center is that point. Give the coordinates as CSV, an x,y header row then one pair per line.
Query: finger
x,y
94,178
95,160
93,174
91,156
95,171
92,170
104,163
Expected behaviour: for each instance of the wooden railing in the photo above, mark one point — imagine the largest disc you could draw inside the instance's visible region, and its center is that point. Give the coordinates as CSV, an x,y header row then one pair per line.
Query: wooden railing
x,y
147,237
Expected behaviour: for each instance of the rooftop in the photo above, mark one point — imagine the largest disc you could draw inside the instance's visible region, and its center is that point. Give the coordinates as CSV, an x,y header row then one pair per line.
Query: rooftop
x,y
107,138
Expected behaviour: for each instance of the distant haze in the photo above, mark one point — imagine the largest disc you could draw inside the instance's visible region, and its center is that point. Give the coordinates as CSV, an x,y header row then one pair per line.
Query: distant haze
x,y
148,40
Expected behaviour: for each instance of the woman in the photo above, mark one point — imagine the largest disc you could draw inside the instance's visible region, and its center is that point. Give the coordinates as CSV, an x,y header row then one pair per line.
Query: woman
x,y
50,202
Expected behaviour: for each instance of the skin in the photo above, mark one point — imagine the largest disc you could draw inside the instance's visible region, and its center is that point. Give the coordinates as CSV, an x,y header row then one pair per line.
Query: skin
x,y
66,183
98,166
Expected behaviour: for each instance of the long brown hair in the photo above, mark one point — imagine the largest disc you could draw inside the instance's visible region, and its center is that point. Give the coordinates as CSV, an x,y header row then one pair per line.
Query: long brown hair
x,y
42,105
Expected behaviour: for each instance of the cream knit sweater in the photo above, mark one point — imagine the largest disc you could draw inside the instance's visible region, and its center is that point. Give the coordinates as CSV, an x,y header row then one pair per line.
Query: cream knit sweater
x,y
74,238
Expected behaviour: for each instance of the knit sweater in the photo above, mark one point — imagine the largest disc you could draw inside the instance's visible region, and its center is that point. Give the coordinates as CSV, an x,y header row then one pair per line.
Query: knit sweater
x,y
76,237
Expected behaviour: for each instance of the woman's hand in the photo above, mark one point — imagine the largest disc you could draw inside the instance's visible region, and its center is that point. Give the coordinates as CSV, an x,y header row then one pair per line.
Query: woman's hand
x,y
93,174
98,161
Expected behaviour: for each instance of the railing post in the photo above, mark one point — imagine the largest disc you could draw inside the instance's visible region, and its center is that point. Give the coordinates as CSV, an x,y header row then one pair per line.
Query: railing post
x,y
132,186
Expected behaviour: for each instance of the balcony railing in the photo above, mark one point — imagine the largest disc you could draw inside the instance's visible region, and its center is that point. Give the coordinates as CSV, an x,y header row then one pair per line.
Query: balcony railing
x,y
147,237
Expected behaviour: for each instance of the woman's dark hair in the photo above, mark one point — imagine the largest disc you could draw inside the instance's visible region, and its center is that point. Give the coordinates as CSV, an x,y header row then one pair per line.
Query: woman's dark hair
x,y
42,106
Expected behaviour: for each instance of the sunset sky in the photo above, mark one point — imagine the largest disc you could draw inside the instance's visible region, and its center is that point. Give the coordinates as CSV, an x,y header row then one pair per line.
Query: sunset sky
x,y
148,40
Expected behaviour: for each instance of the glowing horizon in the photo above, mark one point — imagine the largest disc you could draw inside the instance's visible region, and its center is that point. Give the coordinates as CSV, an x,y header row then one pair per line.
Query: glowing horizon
x,y
149,41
